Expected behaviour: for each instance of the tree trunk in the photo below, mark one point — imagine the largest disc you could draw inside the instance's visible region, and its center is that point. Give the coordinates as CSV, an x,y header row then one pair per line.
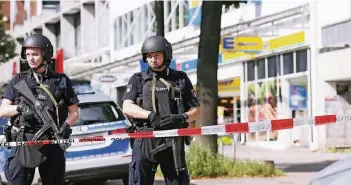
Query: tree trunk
x,y
160,29
207,69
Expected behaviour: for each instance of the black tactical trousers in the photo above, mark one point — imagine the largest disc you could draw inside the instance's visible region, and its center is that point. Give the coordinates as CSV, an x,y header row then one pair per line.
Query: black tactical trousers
x,y
142,170
51,171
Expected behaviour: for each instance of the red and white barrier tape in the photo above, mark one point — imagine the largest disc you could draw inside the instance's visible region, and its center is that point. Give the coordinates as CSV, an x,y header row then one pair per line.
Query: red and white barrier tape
x,y
259,126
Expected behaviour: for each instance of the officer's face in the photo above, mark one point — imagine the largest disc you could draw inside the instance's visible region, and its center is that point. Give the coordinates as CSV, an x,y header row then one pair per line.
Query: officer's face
x,y
34,57
155,59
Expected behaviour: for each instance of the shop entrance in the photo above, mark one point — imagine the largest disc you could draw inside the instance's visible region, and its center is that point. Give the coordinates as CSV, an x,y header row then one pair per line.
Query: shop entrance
x,y
229,110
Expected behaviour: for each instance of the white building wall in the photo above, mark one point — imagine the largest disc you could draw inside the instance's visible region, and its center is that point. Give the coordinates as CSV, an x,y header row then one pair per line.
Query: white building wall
x,y
225,71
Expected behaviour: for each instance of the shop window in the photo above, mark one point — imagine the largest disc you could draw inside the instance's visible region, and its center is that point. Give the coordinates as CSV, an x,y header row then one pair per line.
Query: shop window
x,y
273,66
301,61
261,68
288,63
250,70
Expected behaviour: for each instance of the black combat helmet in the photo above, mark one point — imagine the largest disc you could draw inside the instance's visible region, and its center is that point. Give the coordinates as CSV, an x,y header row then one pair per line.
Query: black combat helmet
x,y
157,43
38,41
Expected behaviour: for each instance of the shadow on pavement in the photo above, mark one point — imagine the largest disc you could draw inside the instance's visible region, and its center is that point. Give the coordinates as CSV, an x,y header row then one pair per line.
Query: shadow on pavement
x,y
162,182
305,167
119,182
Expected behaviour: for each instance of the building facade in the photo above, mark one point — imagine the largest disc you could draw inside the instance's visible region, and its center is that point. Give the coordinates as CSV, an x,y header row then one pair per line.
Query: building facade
x,y
289,77
77,30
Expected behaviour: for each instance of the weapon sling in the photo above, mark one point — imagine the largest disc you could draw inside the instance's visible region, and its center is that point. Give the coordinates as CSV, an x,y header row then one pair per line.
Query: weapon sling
x,y
41,86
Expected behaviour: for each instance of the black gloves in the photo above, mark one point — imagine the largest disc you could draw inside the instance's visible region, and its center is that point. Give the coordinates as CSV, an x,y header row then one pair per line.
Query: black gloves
x,y
172,121
65,131
154,119
27,113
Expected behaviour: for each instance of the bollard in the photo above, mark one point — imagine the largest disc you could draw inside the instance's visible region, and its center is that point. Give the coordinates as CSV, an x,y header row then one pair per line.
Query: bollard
x,y
270,163
234,146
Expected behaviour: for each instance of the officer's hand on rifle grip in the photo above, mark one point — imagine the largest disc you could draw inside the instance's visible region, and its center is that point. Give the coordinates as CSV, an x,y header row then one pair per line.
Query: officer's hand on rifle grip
x,y
154,119
25,110
65,131
172,121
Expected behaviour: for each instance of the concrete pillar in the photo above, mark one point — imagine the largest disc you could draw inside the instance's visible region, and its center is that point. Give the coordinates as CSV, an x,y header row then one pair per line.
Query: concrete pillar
x,y
68,36
49,32
102,20
66,4
283,111
88,30
315,32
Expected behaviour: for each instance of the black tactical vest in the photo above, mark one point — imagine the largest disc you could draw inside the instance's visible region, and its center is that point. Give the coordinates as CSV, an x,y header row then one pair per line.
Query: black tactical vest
x,y
52,85
165,104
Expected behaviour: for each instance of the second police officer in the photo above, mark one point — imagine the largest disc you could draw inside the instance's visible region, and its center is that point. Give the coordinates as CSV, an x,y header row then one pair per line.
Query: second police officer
x,y
19,168
151,97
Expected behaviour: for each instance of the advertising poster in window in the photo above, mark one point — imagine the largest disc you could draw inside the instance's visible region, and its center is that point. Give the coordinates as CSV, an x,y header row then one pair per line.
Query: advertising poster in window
x,y
252,108
267,104
298,97
251,102
268,100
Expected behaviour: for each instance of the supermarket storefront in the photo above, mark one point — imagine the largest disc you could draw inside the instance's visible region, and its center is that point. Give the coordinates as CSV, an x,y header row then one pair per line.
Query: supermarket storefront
x,y
276,86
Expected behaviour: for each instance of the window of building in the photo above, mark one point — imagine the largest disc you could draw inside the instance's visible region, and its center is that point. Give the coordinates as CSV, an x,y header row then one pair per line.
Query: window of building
x,y
261,68
50,4
288,63
301,61
77,33
115,33
273,66
251,70
57,27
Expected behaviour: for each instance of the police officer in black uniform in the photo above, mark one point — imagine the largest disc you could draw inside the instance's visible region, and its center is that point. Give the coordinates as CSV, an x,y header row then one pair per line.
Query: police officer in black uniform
x,y
151,99
20,166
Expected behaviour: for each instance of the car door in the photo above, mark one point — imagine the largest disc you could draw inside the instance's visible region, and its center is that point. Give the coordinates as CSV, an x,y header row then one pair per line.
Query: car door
x,y
98,119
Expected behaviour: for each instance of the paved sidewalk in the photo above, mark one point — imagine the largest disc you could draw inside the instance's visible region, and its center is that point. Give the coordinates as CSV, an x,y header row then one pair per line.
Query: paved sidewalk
x,y
290,179
291,160
300,164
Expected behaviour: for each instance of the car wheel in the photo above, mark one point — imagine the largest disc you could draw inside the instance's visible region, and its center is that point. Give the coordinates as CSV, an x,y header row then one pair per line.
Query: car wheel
x,y
125,180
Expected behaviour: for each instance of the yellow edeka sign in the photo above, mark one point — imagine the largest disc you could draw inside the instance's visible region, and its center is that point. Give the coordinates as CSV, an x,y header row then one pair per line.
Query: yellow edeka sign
x,y
230,85
242,44
277,43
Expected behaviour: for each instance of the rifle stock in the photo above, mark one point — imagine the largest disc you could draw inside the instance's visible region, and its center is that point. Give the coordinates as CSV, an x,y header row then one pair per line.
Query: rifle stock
x,y
42,111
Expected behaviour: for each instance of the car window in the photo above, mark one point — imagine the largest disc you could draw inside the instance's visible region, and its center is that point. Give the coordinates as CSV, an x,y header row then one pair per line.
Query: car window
x,y
91,113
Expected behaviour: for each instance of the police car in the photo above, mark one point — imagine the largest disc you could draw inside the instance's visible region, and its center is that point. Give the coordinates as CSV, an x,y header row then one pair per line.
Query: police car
x,y
94,162
4,152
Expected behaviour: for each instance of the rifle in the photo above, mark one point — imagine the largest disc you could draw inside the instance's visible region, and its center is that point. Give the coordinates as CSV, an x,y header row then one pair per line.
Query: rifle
x,y
42,111
177,143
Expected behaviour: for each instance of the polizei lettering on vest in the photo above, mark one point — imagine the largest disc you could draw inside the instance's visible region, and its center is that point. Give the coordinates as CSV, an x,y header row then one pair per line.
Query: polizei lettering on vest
x,y
260,126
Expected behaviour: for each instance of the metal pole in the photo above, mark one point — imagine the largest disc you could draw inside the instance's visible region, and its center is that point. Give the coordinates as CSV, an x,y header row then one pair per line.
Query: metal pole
x,y
234,146
315,35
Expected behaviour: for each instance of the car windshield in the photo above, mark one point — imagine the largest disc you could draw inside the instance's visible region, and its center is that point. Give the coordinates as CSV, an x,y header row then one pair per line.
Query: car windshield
x,y
102,112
